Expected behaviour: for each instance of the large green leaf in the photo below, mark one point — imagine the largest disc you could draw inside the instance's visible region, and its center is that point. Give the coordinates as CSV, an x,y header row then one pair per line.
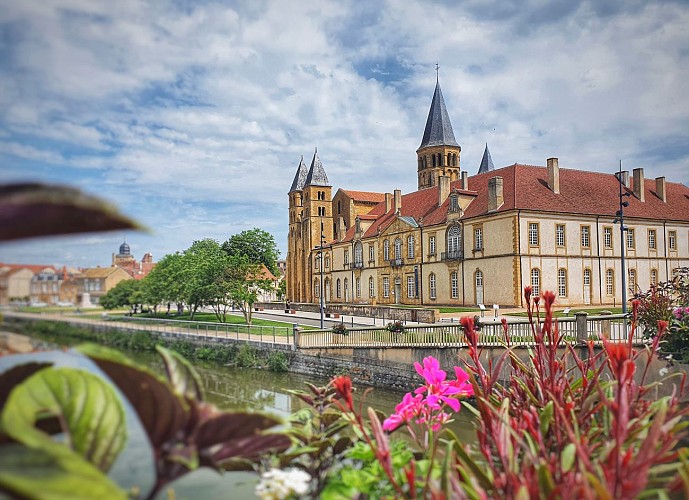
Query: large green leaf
x,y
15,375
89,410
163,414
181,374
52,473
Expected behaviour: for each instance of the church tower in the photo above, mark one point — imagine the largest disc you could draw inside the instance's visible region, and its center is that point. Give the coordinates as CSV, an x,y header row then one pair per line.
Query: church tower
x,y
439,152
311,225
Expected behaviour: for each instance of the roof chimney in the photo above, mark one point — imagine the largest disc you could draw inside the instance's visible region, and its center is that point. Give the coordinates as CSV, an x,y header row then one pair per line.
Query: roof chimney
x,y
443,189
495,198
464,181
398,200
661,191
553,175
625,177
388,202
639,183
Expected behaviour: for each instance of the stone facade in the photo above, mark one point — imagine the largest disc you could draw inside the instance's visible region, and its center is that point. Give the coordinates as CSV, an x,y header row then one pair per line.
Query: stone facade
x,y
463,240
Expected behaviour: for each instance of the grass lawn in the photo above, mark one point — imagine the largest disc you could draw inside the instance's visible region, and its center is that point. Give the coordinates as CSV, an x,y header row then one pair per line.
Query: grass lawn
x,y
232,319
560,313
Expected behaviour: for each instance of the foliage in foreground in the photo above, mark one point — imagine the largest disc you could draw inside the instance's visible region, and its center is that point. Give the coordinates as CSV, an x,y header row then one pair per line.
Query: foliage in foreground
x,y
62,428
579,425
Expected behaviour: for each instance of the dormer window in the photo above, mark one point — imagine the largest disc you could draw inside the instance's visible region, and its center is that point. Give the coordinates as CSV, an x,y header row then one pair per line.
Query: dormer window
x,y
454,202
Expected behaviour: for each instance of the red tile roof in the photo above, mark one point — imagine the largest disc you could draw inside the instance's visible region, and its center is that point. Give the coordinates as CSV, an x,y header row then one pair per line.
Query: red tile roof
x,y
364,196
525,187
34,268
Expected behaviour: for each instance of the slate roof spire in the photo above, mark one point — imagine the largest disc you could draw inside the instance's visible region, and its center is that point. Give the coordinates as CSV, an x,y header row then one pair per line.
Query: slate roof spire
x,y
316,175
438,130
299,177
486,162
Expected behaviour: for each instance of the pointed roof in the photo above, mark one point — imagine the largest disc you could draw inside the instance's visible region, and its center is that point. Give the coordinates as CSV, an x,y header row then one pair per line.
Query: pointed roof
x,y
299,177
486,162
316,175
438,130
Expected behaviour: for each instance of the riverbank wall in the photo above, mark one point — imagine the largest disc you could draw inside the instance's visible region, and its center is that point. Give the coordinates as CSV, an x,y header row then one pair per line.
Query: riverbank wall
x,y
387,367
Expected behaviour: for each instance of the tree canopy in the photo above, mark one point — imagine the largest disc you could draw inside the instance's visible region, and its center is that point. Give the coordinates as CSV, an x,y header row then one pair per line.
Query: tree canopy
x,y
256,245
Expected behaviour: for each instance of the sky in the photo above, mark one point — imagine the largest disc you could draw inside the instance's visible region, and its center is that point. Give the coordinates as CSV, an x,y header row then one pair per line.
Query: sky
x,y
191,116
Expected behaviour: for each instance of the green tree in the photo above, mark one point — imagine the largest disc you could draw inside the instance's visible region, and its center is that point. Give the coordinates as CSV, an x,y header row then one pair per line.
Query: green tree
x,y
164,283
204,266
125,294
245,282
256,245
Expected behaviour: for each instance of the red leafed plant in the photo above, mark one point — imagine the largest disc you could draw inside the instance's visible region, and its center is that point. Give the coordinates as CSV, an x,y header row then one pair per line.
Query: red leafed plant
x,y
573,421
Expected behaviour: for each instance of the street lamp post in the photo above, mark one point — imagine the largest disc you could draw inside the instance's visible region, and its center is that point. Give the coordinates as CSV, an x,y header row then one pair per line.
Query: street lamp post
x,y
320,265
620,218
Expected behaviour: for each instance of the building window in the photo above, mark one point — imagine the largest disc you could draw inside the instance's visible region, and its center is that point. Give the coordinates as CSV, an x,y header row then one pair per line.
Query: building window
x,y
478,279
654,277
386,286
562,282
632,280
478,238
358,287
386,250
371,253
672,240
410,286
410,247
609,282
316,289
338,289
533,234
535,282
587,277
586,236
454,203
432,286
346,257
630,239
453,240
651,239
371,287
398,248
454,285
317,262
431,245
358,254
327,261
607,237
560,235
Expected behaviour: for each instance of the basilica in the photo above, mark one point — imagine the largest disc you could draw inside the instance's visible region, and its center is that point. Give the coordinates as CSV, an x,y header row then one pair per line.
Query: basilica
x,y
464,240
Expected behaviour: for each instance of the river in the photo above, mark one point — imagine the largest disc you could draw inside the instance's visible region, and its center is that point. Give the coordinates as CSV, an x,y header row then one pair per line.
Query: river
x,y
227,388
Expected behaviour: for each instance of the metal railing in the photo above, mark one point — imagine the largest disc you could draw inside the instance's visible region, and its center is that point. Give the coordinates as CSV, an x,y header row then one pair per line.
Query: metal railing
x,y
490,334
457,255
195,329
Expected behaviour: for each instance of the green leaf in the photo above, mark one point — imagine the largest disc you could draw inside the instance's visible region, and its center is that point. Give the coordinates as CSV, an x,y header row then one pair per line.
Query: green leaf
x,y
55,473
547,417
163,414
89,409
567,457
15,375
181,374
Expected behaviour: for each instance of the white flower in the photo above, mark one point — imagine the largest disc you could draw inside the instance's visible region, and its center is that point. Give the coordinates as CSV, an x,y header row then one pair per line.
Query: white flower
x,y
277,484
663,372
669,356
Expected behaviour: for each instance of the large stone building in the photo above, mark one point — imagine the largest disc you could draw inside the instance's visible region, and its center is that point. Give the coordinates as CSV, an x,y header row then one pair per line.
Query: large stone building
x,y
125,260
465,240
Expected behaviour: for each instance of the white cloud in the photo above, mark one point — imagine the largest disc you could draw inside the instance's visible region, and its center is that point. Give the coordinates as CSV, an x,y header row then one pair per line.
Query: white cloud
x,y
193,117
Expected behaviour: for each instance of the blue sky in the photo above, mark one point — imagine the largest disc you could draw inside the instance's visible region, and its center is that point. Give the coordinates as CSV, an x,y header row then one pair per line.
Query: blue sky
x,y
191,116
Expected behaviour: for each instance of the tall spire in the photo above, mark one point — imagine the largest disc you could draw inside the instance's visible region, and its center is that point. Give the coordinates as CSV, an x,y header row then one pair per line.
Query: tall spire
x,y
299,177
438,130
316,175
486,162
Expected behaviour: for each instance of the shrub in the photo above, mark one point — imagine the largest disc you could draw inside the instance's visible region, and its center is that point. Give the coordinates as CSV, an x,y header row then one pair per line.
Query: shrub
x,y
340,329
395,327
277,361
246,357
